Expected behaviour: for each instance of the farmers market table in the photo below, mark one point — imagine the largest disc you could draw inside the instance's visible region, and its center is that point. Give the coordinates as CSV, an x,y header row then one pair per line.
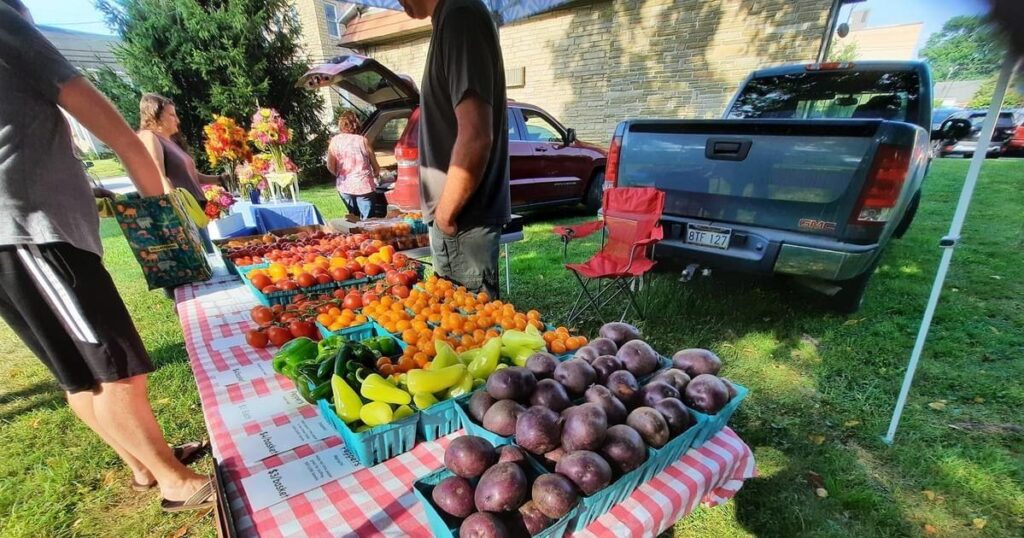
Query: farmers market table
x,y
277,215
379,500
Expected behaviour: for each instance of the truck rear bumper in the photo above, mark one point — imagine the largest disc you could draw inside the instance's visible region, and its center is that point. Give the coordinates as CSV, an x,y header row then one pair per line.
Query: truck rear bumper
x,y
767,251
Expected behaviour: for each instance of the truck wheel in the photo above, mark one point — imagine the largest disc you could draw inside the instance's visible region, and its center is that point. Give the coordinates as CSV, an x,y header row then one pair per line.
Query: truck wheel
x,y
849,299
908,217
592,200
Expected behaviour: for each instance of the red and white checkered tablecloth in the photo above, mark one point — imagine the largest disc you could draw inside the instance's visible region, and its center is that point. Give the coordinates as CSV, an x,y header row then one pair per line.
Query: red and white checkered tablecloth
x,y
378,501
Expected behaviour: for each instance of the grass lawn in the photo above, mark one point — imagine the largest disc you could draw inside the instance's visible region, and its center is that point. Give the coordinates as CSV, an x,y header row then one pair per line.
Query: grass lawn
x,y
822,388
104,168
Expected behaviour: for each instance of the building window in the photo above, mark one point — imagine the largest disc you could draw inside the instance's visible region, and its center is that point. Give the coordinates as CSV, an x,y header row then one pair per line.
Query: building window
x,y
331,14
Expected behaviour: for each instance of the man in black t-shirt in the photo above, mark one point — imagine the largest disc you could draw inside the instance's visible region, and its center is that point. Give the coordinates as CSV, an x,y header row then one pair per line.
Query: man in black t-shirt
x,y
463,141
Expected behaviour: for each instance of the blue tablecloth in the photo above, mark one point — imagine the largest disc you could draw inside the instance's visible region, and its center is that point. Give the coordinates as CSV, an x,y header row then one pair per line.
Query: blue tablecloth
x,y
267,217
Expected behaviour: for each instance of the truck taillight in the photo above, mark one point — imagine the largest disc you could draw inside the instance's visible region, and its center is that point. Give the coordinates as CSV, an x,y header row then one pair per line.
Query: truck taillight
x,y
885,181
406,155
829,66
611,172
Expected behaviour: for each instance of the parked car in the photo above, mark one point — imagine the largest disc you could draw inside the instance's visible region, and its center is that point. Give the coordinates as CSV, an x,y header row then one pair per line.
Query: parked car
x,y
811,173
939,115
1015,146
548,165
1001,136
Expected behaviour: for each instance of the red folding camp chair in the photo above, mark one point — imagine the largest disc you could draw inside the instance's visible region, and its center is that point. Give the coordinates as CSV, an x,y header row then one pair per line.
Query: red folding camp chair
x,y
630,230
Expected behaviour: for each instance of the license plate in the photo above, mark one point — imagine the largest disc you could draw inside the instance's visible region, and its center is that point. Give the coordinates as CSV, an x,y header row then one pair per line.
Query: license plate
x,y
708,236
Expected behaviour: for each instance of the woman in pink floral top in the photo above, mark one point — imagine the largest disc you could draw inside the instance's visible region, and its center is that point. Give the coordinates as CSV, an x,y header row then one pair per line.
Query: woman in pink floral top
x,y
354,165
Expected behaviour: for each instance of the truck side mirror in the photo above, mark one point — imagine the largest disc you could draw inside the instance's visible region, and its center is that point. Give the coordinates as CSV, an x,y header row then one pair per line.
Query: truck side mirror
x,y
570,136
953,129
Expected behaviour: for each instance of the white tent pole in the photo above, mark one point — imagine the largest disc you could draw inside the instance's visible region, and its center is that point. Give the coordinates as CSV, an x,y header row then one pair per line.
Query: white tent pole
x,y
949,242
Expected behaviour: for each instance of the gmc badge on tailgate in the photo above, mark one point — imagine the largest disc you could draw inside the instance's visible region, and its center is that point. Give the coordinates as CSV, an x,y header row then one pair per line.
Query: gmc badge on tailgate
x,y
817,225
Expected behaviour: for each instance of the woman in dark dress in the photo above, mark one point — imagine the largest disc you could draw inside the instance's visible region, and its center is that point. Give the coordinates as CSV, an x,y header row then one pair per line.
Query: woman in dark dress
x,y
159,129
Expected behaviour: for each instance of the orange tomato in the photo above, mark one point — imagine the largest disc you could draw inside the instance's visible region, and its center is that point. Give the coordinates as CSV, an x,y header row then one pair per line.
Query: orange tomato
x,y
386,369
533,314
572,344
325,319
520,324
406,363
409,336
421,359
537,324
558,347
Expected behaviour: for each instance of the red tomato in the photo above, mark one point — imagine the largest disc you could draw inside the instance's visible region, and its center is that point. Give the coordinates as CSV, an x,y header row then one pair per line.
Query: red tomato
x,y
301,328
411,277
262,315
358,274
323,278
270,289
400,291
279,336
339,294
341,274
260,281
288,316
399,260
391,277
369,297
278,308
305,280
372,269
352,301
353,267
256,338
289,285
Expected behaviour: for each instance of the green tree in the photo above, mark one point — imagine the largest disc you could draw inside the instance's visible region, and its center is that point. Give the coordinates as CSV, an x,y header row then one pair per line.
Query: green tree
x,y
845,52
966,48
220,57
983,97
120,90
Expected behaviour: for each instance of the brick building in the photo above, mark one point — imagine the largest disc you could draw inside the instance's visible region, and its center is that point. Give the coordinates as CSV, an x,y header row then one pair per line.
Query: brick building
x,y
594,63
323,25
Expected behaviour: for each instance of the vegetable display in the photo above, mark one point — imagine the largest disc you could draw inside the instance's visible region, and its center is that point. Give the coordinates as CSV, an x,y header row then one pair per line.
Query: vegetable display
x,y
487,496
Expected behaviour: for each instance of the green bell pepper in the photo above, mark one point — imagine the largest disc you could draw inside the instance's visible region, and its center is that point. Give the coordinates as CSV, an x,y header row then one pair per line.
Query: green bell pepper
x,y
294,353
302,383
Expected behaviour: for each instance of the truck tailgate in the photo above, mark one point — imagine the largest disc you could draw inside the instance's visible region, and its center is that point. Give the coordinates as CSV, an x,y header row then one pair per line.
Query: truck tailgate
x,y
794,175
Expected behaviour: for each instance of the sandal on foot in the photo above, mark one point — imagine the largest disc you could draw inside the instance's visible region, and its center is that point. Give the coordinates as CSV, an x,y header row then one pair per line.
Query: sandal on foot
x,y
205,497
185,453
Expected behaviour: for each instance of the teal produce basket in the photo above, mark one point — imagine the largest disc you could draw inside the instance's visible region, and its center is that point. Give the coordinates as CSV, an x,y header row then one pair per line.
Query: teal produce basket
x,y
674,449
443,525
714,423
440,419
377,444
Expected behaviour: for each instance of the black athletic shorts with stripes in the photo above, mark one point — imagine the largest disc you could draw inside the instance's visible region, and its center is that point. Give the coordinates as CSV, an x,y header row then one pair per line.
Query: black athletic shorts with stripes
x,y
62,303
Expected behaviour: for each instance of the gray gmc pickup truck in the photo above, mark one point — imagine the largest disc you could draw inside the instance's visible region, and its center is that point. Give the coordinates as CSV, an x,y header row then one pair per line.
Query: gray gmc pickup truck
x,y
812,171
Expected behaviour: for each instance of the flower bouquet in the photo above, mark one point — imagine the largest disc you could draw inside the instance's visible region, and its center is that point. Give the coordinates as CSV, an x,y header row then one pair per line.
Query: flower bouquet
x,y
270,134
252,177
218,201
226,145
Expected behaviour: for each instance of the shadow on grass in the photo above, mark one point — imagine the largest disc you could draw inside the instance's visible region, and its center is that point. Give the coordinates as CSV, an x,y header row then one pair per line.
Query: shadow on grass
x,y
41,395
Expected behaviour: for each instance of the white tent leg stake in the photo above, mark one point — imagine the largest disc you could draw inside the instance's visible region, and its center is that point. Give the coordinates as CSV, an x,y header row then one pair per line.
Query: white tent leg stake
x,y
949,242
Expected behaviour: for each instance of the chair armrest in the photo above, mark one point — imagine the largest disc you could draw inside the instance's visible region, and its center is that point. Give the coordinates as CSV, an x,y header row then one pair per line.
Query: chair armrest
x,y
569,233
657,234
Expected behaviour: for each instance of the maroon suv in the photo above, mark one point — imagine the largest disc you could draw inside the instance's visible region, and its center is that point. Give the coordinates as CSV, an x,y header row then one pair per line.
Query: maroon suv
x,y
548,165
